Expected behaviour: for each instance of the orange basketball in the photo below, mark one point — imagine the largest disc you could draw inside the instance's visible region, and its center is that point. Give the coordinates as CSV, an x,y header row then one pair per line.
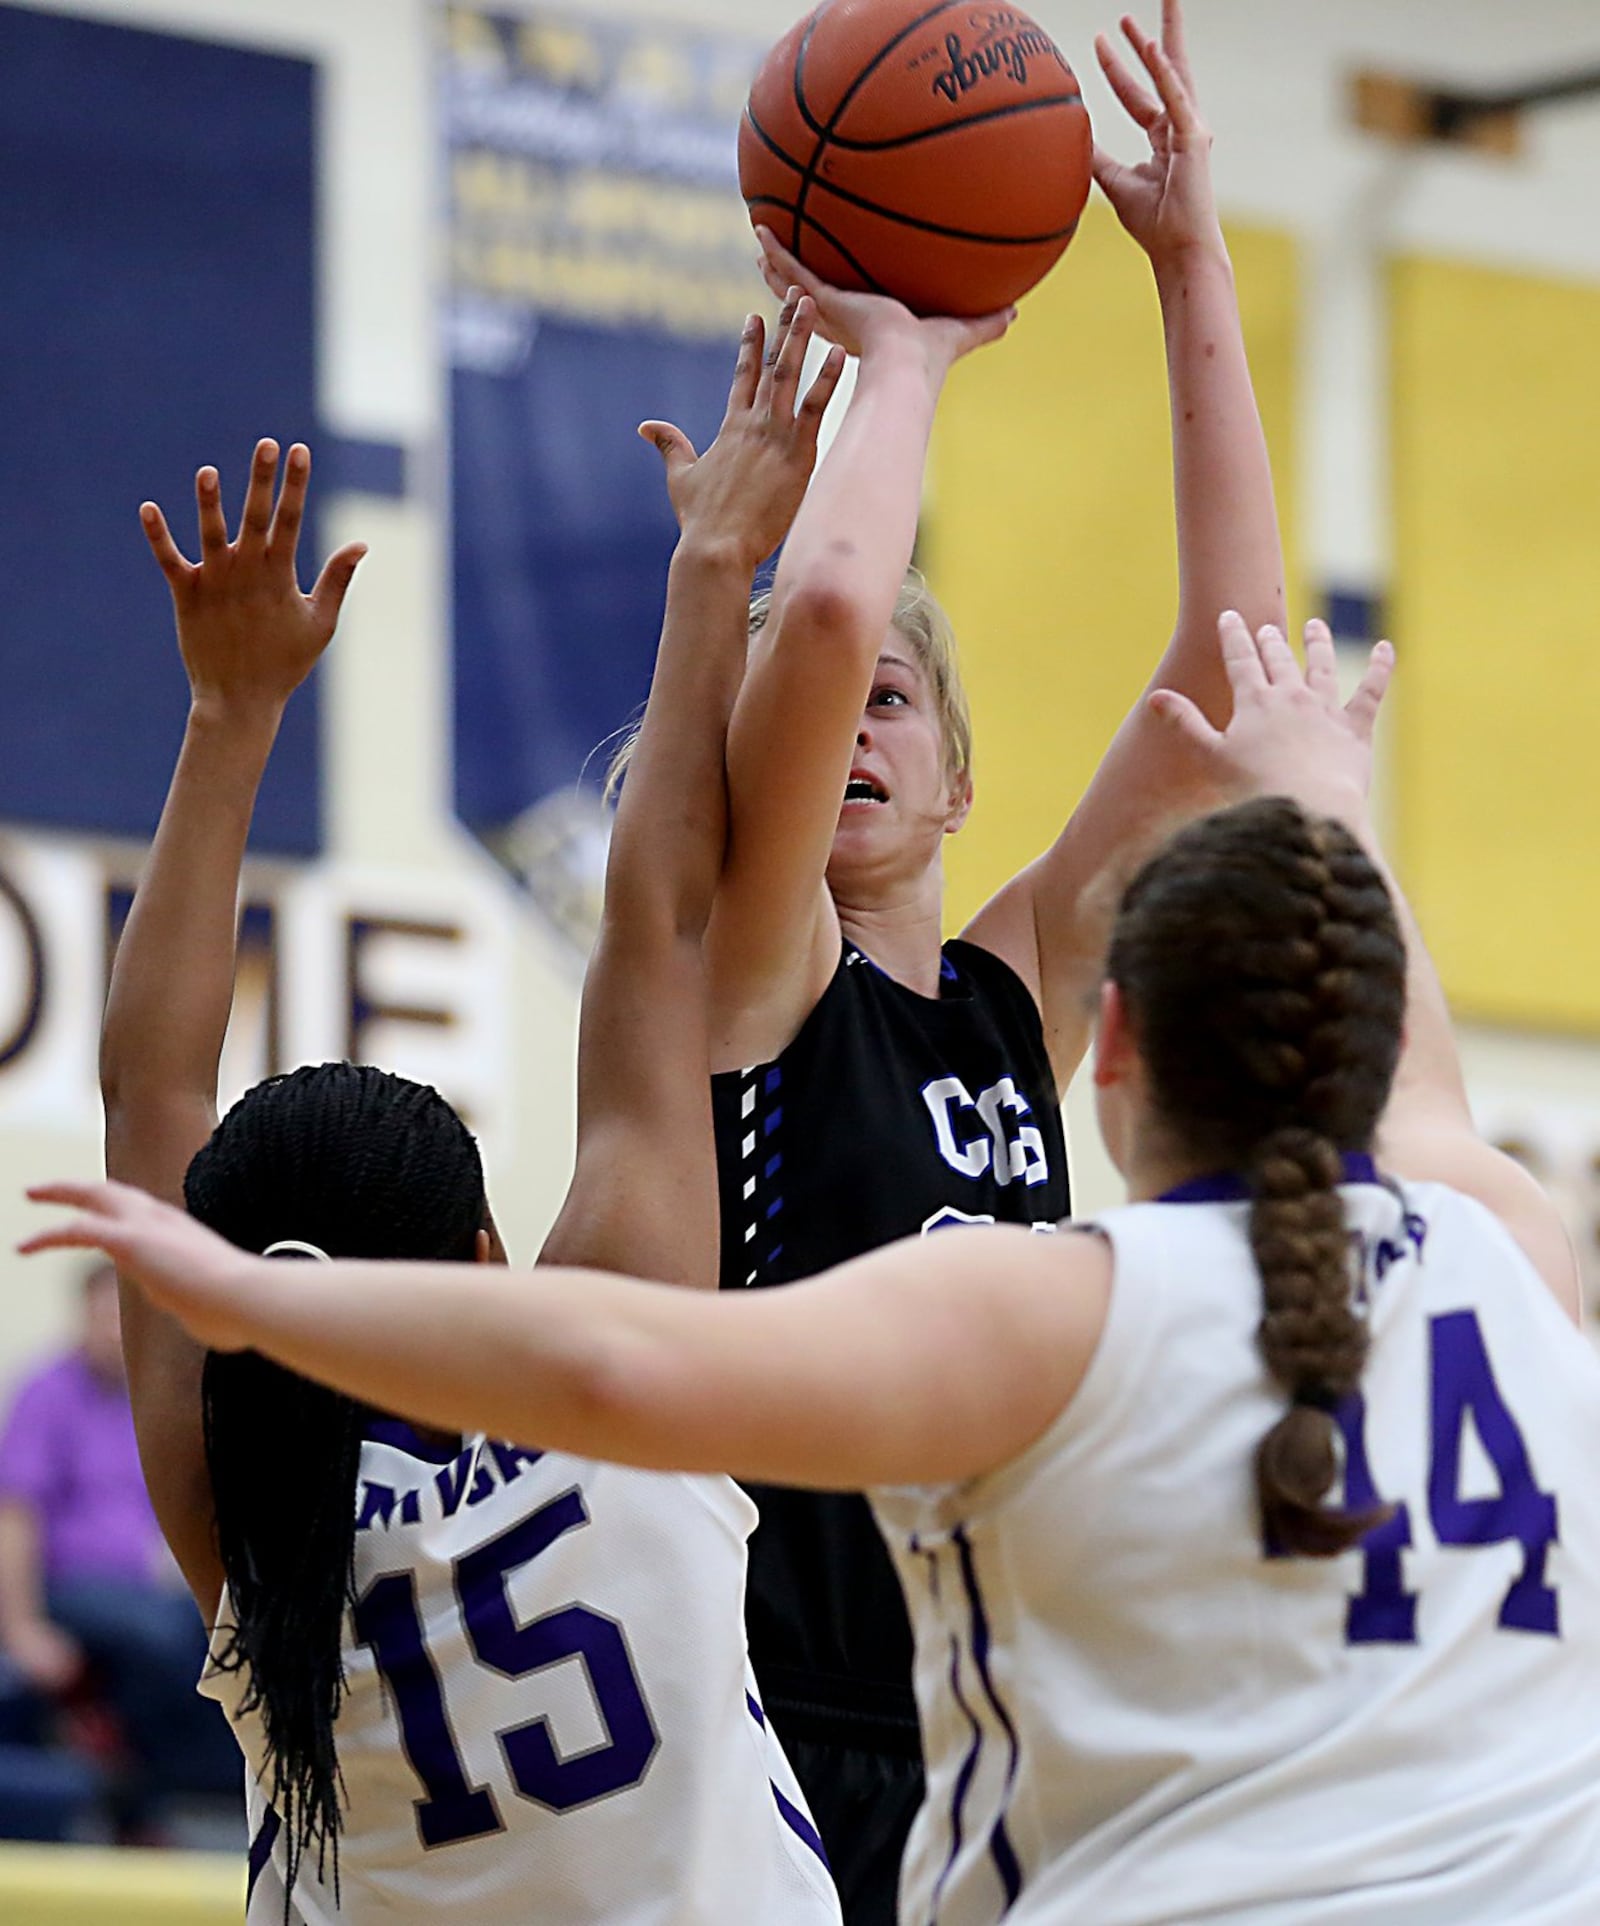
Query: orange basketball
x,y
938,153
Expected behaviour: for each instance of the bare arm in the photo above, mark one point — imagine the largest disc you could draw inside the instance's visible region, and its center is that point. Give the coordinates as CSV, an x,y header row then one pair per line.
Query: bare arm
x,y
883,1371
46,1656
774,936
1288,736
248,638
1229,553
643,1197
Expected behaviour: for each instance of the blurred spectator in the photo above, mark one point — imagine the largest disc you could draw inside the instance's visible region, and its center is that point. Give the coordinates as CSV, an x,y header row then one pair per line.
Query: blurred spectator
x,y
92,1612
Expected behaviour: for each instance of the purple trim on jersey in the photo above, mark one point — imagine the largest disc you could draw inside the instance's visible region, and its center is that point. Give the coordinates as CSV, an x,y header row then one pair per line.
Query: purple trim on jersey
x,y
261,1851
1001,1850
969,1765
396,1432
1224,1187
790,1813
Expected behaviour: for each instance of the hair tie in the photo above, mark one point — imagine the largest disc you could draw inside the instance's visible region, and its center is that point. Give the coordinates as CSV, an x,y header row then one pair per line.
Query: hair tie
x,y
292,1247
1317,1397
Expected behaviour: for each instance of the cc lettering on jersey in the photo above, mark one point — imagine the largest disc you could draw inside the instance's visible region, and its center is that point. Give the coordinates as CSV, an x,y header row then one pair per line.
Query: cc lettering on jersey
x,y
983,1135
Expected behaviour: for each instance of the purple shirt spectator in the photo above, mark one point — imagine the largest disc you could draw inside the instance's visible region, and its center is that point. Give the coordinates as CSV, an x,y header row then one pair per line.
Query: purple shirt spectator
x,y
68,1452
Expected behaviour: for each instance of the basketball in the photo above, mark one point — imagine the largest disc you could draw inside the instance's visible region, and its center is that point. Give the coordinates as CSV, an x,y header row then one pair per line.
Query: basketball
x,y
936,153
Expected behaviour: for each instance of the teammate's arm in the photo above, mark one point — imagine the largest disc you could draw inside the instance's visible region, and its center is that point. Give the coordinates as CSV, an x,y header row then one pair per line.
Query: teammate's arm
x,y
248,638
774,940
880,1372
643,1197
1229,554
1289,736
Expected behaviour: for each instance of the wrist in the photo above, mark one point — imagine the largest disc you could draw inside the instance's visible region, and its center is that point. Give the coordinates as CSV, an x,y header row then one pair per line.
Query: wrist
x,y
1178,265
714,554
235,716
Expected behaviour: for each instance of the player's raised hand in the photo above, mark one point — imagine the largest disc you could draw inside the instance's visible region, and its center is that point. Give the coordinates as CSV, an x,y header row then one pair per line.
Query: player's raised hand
x,y
1165,202
745,490
246,632
861,323
200,1278
1289,734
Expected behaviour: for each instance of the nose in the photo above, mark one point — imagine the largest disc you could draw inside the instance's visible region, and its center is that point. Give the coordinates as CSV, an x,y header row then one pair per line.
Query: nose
x,y
863,734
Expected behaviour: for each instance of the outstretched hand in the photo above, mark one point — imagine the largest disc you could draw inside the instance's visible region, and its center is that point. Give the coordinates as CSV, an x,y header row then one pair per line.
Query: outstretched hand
x,y
183,1268
1166,202
1289,734
859,323
246,632
748,486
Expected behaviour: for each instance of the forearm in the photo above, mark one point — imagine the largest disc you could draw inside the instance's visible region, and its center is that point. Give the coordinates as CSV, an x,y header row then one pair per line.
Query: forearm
x,y
1229,551
172,982
853,538
21,1578
670,833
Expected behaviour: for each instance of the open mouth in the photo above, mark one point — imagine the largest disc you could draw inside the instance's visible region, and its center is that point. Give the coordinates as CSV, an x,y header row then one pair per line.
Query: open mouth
x,y
859,789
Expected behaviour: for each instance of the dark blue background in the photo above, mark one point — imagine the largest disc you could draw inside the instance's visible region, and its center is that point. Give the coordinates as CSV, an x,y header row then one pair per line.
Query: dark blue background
x,y
157,233
563,533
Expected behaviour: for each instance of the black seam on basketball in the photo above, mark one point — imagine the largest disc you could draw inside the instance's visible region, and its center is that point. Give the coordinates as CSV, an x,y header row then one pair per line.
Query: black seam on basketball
x,y
952,126
823,133
874,285
945,233
771,145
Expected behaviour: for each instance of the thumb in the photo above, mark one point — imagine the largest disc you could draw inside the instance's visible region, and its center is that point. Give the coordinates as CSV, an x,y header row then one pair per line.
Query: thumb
x,y
327,598
1109,173
675,447
1178,714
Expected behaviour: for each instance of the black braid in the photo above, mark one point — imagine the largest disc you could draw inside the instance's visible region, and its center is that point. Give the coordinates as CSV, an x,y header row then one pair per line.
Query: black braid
x,y
363,1165
1264,974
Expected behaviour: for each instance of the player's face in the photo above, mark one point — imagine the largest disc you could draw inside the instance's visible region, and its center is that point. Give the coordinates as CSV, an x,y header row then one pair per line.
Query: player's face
x,y
898,803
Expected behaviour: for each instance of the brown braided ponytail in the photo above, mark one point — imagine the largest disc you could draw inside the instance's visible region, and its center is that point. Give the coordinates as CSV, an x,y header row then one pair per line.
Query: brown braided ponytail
x,y
1263,971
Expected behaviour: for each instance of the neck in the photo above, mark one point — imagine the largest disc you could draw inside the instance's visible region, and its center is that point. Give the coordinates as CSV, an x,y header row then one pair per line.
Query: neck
x,y
1152,1165
901,932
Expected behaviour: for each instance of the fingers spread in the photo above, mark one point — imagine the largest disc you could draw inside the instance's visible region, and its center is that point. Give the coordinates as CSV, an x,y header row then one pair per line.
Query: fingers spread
x,y
820,393
327,598
1133,97
284,533
1277,658
1240,656
788,270
1363,706
780,375
746,369
1169,84
162,546
213,523
256,522
1322,662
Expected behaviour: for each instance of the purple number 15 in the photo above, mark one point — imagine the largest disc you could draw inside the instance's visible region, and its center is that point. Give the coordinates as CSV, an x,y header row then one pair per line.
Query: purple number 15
x,y
1383,1611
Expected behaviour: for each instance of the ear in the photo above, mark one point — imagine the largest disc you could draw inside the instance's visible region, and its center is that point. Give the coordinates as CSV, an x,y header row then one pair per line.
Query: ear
x,y
1113,1041
960,805
483,1248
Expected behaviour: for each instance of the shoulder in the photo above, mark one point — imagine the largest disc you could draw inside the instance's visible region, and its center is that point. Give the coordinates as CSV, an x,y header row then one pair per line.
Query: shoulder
x,y
989,973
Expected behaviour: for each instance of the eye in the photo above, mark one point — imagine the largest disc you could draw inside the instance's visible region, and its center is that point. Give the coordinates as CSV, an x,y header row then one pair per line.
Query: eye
x,y
887,697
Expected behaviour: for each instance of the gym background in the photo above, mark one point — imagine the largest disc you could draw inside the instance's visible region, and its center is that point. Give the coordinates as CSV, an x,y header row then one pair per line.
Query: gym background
x,y
463,250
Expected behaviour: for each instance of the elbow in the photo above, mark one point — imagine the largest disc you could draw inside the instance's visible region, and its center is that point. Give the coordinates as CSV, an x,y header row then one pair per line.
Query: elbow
x,y
833,616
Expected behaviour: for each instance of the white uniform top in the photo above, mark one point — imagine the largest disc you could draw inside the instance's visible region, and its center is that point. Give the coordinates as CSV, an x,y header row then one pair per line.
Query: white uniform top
x,y
550,1717
1131,1715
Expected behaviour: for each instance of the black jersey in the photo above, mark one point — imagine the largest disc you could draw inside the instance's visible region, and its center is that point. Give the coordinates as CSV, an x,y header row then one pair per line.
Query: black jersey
x,y
889,1114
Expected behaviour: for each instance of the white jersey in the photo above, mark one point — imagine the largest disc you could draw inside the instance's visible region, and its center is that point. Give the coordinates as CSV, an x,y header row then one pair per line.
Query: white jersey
x,y
1132,1715
550,1719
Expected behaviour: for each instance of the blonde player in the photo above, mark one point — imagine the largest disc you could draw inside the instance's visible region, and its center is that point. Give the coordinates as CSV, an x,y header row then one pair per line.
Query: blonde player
x,y
1251,1540
470,1681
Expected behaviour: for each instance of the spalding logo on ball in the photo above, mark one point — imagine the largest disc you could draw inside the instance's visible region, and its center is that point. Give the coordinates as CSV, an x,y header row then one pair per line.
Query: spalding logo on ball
x,y
939,154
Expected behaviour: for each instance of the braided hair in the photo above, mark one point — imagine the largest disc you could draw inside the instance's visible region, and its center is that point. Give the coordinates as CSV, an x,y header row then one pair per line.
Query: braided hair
x,y
1263,971
360,1164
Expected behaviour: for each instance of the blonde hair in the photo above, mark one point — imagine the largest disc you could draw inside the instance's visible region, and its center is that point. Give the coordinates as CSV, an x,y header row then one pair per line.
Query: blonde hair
x,y
919,618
